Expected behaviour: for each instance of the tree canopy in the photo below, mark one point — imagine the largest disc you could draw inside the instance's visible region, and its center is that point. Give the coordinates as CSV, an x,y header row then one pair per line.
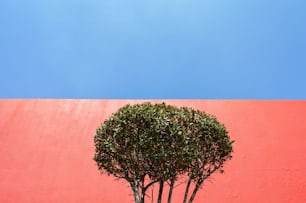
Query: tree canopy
x,y
160,142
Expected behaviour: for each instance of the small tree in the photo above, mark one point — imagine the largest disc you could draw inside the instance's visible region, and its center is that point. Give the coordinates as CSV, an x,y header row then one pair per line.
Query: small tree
x,y
156,143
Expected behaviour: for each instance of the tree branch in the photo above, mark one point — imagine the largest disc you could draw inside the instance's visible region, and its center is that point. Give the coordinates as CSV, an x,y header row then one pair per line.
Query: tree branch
x,y
199,183
151,183
171,189
187,189
160,192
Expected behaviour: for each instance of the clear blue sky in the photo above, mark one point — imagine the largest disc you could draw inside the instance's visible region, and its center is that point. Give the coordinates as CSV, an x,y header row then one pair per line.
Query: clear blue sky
x,y
200,49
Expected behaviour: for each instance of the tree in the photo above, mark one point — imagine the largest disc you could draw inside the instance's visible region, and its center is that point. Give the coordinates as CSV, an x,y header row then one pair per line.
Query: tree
x,y
156,143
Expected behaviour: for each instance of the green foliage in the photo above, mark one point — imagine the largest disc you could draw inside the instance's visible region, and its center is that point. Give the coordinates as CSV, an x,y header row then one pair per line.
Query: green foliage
x,y
160,141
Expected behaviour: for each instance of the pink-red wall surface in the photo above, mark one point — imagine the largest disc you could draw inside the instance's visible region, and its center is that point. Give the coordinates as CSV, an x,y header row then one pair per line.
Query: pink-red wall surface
x,y
46,151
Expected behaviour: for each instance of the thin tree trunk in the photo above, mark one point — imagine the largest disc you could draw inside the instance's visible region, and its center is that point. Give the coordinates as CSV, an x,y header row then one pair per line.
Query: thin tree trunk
x,y
199,183
142,197
144,189
152,194
197,187
171,190
187,190
160,192
135,189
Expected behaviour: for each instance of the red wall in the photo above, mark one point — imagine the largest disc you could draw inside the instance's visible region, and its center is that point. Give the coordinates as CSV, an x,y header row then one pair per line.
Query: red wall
x,y
46,150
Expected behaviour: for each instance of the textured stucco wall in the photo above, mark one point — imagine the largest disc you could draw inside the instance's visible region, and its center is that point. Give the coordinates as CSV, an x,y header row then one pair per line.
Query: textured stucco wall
x,y
46,150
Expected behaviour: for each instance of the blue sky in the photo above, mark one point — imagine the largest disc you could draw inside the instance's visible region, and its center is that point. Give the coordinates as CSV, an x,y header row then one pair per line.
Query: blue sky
x,y
196,49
